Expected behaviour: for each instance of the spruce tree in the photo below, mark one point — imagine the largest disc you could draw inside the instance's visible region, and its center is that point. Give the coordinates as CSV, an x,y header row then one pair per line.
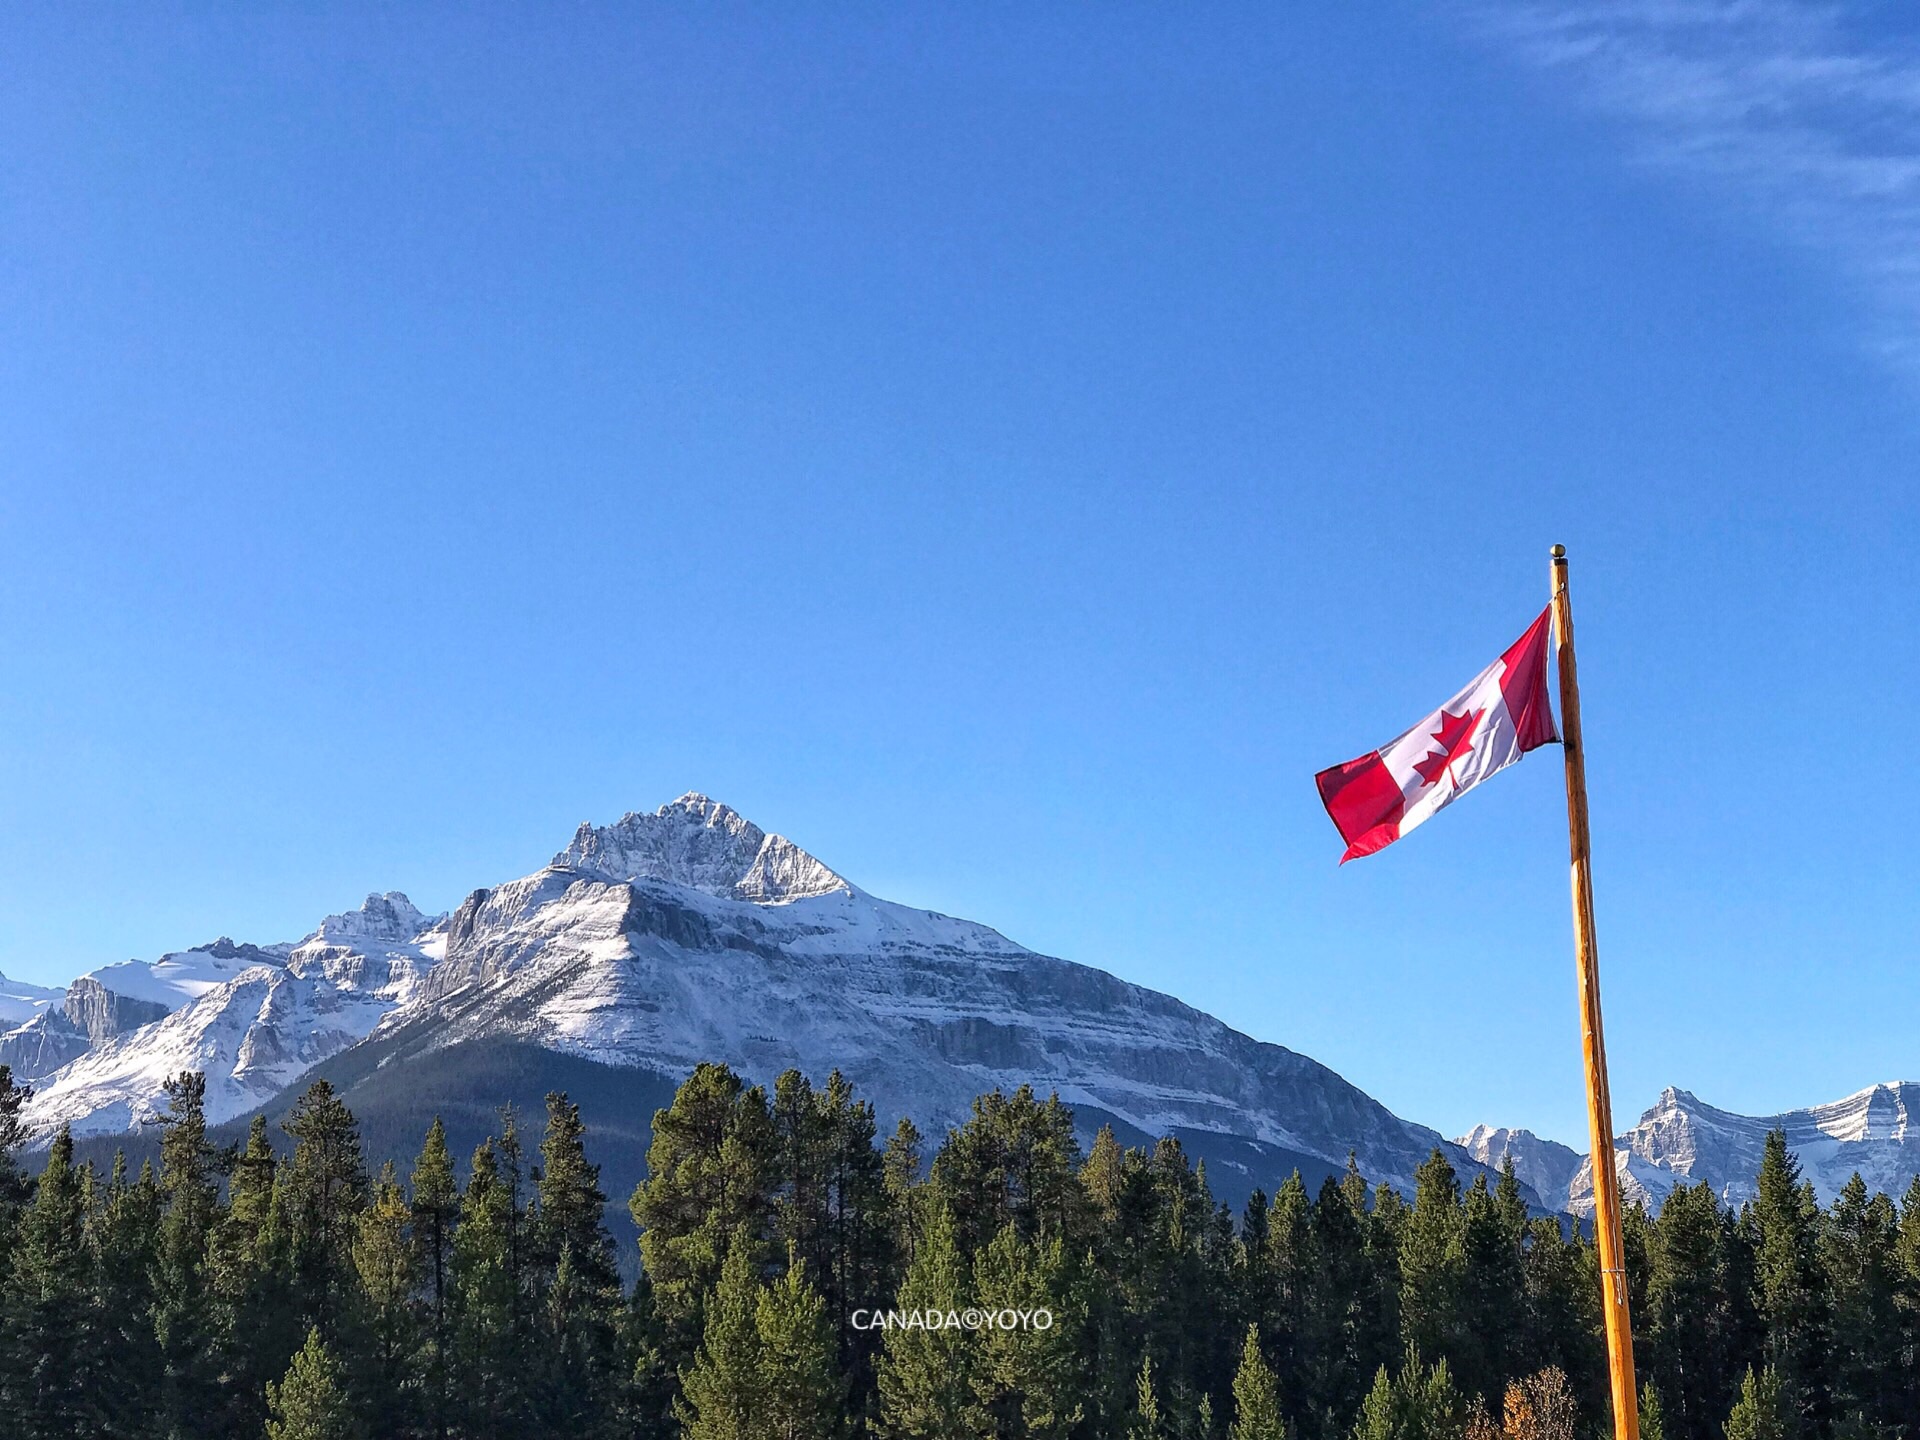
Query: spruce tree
x,y
491,1309
709,1172
123,1237
1859,1254
1653,1415
1417,1403
1146,1423
1789,1288
50,1348
1433,1263
1290,1256
257,1328
15,1187
310,1402
1906,1267
324,1189
925,1376
574,1258
1015,1162
1027,1380
387,1265
801,1394
1493,1285
572,1206
1256,1395
720,1392
436,1215
1563,1322
859,1260
1688,1321
1344,1340
191,1398
1762,1411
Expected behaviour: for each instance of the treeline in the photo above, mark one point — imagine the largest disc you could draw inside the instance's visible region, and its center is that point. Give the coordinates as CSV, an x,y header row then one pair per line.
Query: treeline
x,y
244,1292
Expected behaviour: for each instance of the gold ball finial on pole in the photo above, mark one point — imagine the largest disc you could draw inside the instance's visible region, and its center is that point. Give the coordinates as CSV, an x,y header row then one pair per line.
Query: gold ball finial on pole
x,y
1558,552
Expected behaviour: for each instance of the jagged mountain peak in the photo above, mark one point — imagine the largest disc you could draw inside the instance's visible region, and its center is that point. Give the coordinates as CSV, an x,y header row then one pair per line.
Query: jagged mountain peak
x,y
389,917
700,843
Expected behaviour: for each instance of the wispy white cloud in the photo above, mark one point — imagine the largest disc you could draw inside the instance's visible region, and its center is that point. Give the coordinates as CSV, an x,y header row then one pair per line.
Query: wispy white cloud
x,y
1785,106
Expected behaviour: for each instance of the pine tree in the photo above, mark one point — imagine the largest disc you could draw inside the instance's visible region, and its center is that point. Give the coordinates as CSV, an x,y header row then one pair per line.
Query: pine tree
x,y
721,1393
436,1215
801,1395
15,1187
256,1328
1417,1403
310,1402
1653,1415
1344,1339
574,1255
1688,1320
190,1399
709,1173
1906,1267
1859,1254
123,1236
1015,1162
1789,1287
324,1190
50,1350
490,1308
925,1376
1433,1263
1256,1395
1493,1284
1028,1381
1146,1403
1762,1411
387,1265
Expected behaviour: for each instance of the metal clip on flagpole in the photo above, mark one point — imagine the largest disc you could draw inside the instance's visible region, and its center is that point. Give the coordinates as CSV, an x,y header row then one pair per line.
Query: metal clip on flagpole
x,y
1606,1184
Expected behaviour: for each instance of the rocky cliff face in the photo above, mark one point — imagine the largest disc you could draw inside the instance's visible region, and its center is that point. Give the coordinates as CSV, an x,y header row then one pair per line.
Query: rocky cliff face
x,y
253,1018
1682,1140
1547,1166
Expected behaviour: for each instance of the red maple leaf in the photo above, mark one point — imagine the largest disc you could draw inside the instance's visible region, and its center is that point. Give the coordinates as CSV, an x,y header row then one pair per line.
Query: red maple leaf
x,y
1454,737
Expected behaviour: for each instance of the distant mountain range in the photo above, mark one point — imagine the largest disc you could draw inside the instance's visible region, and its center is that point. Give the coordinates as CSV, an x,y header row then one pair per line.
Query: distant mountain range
x,y
690,934
1683,1140
646,946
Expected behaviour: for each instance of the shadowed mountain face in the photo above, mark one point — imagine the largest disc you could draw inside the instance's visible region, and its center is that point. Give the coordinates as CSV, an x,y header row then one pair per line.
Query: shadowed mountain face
x,y
690,934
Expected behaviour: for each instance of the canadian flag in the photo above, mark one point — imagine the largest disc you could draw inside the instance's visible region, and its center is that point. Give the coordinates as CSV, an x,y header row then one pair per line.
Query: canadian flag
x,y
1500,715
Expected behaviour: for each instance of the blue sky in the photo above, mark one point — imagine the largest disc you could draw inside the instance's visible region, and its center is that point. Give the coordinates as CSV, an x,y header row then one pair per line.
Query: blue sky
x,y
1008,450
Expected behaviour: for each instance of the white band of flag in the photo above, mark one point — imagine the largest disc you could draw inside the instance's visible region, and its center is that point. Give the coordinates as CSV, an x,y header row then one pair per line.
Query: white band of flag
x,y
1500,715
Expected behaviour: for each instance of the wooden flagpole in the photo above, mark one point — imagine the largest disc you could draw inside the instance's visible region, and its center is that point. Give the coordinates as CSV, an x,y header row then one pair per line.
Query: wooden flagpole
x,y
1606,1184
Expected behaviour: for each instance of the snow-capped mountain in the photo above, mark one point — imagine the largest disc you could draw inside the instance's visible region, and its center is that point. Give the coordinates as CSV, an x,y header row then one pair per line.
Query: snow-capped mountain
x,y
1683,1140
252,1018
117,998
20,1002
1547,1166
690,934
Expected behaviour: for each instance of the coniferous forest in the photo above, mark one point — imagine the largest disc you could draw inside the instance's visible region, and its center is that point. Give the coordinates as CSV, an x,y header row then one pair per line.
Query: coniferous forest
x,y
279,1289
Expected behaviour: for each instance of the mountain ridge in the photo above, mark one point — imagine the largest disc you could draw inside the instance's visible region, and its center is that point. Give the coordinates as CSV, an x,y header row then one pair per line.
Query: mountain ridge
x,y
1682,1140
687,934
